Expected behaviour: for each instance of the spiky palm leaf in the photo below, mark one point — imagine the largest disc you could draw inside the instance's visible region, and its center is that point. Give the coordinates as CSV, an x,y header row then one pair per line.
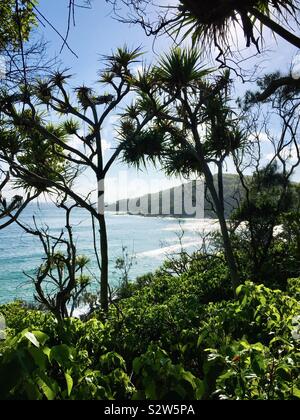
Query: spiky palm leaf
x,y
223,135
131,112
85,96
43,91
180,162
144,80
145,146
211,22
180,68
44,159
147,104
59,78
119,62
71,127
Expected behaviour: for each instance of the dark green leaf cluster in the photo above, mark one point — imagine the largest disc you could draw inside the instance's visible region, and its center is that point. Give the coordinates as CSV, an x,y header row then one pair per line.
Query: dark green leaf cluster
x,y
177,337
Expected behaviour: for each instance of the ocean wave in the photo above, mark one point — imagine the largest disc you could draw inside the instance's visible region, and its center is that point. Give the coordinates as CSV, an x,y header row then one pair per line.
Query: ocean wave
x,y
172,249
81,310
196,225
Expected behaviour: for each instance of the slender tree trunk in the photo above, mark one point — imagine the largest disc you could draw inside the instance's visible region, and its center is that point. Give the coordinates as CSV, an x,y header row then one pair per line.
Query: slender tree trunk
x,y
104,264
219,206
275,27
220,185
103,246
229,254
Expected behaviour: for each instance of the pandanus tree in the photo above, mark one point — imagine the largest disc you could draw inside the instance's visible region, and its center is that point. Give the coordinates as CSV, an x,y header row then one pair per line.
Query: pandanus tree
x,y
13,146
196,130
83,113
213,22
63,276
36,166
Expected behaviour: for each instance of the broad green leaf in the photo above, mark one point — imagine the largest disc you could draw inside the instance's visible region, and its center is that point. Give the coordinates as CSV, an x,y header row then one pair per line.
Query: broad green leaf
x,y
41,337
69,382
284,372
258,364
62,354
258,347
189,377
39,357
296,392
49,387
32,338
200,390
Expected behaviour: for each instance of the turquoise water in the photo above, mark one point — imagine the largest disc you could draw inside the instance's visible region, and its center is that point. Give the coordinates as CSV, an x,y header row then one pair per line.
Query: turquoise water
x,y
150,239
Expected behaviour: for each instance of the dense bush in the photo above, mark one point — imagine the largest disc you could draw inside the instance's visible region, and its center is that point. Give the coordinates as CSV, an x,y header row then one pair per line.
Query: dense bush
x,y
176,337
281,263
272,256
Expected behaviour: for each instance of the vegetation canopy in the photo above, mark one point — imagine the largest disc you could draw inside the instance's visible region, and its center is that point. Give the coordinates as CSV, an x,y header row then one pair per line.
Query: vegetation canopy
x,y
220,322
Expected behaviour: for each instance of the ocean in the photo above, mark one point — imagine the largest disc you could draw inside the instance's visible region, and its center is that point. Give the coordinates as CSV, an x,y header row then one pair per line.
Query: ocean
x,y
149,239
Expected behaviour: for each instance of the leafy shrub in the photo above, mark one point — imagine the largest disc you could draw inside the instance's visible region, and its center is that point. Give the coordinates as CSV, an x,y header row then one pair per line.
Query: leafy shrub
x,y
32,370
19,317
159,379
293,288
250,348
177,337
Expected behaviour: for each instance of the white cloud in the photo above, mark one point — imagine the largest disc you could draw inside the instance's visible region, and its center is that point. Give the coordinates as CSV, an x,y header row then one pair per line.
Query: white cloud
x,y
262,137
74,142
129,185
295,70
289,154
106,145
109,129
77,144
138,69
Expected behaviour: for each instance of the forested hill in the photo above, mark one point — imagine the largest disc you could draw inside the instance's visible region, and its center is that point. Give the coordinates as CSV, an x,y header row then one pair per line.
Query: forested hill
x,y
171,202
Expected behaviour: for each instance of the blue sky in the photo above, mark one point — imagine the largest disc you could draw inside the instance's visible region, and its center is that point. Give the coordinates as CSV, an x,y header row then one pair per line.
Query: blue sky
x,y
96,33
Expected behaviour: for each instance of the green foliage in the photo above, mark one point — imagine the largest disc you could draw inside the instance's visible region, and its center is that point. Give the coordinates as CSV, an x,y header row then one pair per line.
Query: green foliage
x,y
179,336
293,288
143,147
265,253
15,25
180,69
38,372
281,263
160,379
270,194
44,159
215,22
18,317
252,347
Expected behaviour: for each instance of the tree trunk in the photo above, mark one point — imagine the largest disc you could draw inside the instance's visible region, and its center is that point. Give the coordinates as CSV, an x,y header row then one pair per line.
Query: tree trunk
x,y
104,264
229,255
103,246
220,185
